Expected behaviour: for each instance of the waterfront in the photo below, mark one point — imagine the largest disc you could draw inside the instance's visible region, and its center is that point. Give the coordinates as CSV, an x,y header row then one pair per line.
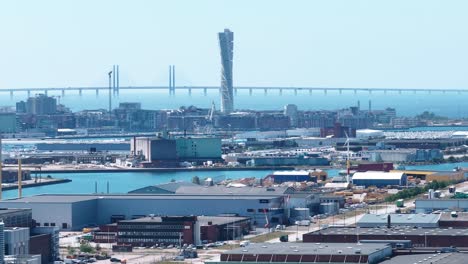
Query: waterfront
x,y
406,103
122,182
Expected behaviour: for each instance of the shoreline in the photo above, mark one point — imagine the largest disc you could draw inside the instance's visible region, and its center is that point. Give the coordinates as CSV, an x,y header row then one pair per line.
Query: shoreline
x,y
117,170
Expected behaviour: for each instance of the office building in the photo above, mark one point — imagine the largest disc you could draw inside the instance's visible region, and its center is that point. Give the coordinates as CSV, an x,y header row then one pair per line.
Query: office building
x,y
179,230
8,122
226,45
41,104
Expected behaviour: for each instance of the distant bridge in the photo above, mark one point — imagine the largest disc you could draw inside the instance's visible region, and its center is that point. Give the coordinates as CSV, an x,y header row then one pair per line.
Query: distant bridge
x,y
251,89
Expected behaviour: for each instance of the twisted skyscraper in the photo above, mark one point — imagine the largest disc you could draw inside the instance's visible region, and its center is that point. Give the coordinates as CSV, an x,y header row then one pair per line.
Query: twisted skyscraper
x,y
226,46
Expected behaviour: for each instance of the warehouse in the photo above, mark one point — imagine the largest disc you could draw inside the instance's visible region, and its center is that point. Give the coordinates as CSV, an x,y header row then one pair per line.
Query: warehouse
x,y
379,179
413,220
290,176
73,212
431,205
307,253
420,237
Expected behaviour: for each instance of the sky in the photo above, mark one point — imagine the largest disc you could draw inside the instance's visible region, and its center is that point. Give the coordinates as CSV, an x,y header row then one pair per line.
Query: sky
x,y
328,43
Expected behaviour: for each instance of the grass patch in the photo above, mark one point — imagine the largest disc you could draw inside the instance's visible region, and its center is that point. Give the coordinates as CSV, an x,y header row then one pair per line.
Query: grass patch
x,y
267,237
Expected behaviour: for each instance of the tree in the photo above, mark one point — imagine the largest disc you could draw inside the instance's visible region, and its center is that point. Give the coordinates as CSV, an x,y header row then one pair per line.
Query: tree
x,y
71,251
85,247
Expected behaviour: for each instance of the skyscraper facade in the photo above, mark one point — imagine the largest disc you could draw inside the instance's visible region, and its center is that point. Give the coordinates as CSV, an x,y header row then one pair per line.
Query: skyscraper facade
x,y
226,46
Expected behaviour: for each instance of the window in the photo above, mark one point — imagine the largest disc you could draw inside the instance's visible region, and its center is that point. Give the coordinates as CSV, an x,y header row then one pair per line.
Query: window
x,y
46,224
251,210
38,224
264,201
64,225
52,224
263,210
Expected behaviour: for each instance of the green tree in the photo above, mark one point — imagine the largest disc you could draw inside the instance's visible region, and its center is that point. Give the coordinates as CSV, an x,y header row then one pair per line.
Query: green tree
x,y
71,251
85,247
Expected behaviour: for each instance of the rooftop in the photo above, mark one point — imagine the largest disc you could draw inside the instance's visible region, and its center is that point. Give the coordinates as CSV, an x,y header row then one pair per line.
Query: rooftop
x,y
401,219
377,175
203,220
439,258
309,248
12,210
392,231
461,216
72,198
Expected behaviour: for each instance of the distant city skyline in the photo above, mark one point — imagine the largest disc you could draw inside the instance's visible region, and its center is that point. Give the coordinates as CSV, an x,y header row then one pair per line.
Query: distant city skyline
x,y
416,44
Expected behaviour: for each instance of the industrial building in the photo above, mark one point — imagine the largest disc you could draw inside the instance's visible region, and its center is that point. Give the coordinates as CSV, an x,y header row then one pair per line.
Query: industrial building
x,y
439,176
161,150
431,205
458,220
16,217
73,212
290,176
379,179
420,237
307,253
412,220
369,134
16,240
439,258
402,155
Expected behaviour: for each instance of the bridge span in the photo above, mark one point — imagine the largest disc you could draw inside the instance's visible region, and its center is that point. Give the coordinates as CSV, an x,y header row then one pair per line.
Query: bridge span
x,y
251,89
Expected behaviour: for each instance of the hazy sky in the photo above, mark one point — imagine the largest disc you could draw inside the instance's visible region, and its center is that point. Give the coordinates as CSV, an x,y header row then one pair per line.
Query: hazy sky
x,y
276,43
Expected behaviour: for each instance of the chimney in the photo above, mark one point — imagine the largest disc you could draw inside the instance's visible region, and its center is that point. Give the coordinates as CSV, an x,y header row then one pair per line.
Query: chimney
x,y
389,221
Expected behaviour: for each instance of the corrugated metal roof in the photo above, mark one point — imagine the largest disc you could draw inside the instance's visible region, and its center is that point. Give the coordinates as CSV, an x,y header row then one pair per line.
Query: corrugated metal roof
x,y
377,175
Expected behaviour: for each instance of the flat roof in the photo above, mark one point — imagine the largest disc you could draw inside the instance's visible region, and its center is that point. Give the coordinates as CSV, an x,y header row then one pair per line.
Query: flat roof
x,y
439,258
461,216
309,248
203,220
377,175
408,219
12,210
224,190
72,198
397,230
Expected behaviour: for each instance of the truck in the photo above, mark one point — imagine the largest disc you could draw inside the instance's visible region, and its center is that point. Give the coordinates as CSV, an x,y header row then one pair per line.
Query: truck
x,y
400,203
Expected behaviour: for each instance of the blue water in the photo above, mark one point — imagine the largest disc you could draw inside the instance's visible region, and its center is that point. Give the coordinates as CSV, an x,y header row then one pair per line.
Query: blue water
x,y
123,182
407,103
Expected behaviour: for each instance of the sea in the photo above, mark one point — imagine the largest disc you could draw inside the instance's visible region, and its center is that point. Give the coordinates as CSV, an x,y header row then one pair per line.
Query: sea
x,y
123,182
408,103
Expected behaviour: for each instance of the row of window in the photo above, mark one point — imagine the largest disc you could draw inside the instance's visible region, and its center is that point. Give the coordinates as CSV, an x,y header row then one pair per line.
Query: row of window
x,y
64,225
130,233
132,227
259,210
148,240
